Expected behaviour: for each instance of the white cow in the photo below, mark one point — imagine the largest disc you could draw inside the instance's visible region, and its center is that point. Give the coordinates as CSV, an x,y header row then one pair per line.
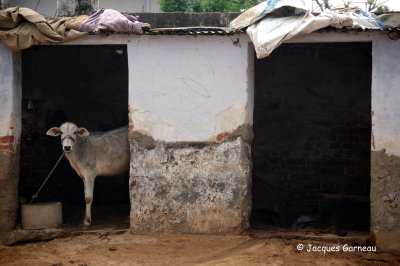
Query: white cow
x,y
93,154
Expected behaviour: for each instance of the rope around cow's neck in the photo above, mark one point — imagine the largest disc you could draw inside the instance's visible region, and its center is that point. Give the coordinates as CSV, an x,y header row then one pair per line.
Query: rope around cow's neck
x,y
36,195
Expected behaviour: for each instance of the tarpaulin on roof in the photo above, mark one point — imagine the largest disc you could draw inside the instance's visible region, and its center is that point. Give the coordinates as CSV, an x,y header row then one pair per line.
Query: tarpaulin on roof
x,y
275,21
391,20
20,28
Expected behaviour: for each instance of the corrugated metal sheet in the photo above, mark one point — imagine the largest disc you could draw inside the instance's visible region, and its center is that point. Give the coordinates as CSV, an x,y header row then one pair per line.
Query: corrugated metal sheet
x,y
192,31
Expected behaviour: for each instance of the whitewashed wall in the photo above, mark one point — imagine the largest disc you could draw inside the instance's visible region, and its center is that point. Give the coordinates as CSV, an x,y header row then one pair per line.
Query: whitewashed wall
x,y
185,88
386,95
10,92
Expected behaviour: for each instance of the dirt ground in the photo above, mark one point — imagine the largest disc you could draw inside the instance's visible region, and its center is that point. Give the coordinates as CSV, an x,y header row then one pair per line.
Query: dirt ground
x,y
119,247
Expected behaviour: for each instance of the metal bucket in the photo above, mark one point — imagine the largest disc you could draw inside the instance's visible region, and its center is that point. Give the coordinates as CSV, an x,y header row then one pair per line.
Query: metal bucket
x,y
41,215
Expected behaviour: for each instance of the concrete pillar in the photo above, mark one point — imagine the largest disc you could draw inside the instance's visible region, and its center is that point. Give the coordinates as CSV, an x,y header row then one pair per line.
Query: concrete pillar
x,y
10,132
385,156
70,8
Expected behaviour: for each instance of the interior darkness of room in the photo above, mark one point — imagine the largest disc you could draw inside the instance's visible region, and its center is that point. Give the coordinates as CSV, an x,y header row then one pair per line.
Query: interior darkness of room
x,y
312,135
87,85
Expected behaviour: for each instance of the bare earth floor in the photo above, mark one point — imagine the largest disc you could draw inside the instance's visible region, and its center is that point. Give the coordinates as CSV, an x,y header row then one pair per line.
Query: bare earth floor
x,y
119,247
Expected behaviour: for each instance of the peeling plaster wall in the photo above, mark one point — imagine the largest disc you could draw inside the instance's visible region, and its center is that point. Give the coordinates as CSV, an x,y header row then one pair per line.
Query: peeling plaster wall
x,y
385,200
10,130
190,127
385,160
190,188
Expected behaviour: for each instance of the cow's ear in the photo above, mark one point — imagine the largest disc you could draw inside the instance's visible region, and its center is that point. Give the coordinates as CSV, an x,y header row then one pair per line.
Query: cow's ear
x,y
54,131
83,131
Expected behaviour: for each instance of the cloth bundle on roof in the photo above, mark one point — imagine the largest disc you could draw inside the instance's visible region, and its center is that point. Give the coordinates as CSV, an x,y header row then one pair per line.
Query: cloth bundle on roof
x,y
274,21
391,20
20,28
109,19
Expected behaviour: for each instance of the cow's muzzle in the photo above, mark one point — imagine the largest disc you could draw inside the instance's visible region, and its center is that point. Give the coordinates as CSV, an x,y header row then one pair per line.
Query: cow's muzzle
x,y
67,148
67,143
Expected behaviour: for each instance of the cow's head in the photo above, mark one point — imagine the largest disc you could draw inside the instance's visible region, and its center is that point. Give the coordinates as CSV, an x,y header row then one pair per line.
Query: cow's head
x,y
68,132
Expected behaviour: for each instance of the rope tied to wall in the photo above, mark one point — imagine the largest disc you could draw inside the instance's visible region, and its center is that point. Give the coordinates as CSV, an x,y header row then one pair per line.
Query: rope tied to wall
x,y
36,195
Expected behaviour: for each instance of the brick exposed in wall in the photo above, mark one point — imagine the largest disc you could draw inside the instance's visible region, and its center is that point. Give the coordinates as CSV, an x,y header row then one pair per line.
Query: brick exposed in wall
x,y
7,139
7,143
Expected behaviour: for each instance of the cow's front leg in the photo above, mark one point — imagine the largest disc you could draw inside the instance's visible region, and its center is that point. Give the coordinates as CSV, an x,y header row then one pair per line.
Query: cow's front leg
x,y
89,187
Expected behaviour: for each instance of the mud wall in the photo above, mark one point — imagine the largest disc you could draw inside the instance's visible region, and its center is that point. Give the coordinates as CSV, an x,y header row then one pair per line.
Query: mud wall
x,y
190,120
385,159
10,130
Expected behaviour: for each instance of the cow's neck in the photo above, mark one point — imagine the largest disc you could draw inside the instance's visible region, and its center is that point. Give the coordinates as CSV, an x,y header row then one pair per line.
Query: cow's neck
x,y
73,158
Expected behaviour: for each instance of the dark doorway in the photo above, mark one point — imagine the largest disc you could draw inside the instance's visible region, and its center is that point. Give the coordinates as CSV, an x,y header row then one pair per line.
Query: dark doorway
x,y
312,135
87,85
